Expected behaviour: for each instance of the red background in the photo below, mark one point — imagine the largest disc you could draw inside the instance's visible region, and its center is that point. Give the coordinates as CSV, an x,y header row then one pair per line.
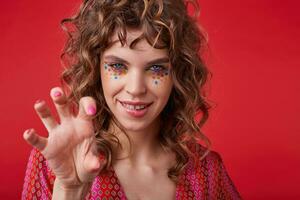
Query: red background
x,y
254,56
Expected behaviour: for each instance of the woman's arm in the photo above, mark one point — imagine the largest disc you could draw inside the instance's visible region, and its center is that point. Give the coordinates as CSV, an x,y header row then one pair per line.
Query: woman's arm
x,y
221,185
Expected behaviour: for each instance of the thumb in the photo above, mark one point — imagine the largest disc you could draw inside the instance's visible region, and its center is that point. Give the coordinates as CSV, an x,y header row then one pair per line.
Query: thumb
x,y
92,165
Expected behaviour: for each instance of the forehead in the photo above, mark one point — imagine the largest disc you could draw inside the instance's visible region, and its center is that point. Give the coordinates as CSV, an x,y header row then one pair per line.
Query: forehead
x,y
142,47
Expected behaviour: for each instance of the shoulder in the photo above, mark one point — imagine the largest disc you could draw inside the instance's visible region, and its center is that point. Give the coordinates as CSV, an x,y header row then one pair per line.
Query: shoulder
x,y
211,172
207,163
202,154
205,159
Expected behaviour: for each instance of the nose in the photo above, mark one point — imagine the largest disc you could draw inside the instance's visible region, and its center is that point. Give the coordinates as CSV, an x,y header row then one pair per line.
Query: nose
x,y
135,84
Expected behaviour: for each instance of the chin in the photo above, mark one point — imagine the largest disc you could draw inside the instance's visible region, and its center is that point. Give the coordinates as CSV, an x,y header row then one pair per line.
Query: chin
x,y
136,126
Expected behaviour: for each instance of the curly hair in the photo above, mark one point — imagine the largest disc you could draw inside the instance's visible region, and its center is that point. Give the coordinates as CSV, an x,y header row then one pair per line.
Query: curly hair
x,y
164,24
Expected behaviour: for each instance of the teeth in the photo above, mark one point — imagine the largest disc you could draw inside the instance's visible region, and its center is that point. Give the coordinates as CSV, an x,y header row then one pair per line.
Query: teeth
x,y
132,107
140,107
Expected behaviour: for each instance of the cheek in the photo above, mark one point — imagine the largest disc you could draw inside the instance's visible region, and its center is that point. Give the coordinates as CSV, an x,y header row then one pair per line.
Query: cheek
x,y
110,83
110,77
160,85
113,74
104,79
159,79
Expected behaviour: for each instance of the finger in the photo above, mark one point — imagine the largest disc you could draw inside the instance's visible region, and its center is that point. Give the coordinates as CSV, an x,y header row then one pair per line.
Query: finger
x,y
34,139
88,161
95,159
45,115
92,164
87,108
61,103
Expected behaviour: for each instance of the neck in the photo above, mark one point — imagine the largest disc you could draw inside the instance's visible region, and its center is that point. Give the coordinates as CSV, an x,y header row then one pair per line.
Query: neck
x,y
144,144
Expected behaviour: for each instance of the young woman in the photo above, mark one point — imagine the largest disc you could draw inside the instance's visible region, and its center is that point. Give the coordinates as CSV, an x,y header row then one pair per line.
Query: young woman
x,y
127,125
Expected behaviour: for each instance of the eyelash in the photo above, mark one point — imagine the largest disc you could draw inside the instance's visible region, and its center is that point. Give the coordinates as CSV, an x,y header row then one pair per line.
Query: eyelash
x,y
161,68
120,67
115,68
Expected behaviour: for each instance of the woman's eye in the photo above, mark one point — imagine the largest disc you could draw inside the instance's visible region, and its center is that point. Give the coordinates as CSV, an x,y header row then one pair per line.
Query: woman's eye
x,y
117,66
157,68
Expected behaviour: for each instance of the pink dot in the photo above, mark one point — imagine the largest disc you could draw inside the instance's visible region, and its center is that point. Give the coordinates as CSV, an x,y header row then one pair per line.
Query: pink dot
x,y
57,94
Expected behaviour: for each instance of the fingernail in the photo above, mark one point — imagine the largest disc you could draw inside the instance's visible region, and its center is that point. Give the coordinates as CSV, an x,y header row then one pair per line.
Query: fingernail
x,y
38,101
91,110
29,131
57,94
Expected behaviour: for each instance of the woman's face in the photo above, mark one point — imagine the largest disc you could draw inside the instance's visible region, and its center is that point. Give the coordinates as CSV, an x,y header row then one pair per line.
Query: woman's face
x,y
136,82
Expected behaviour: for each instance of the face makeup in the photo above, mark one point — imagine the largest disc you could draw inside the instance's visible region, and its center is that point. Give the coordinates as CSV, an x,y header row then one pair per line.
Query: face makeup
x,y
115,71
136,83
159,73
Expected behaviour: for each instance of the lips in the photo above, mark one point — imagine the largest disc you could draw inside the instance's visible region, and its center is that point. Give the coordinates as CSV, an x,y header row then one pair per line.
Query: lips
x,y
132,107
135,109
136,103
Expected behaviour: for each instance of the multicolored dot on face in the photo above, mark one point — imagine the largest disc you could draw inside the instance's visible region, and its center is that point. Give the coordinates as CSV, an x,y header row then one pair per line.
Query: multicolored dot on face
x,y
159,76
113,71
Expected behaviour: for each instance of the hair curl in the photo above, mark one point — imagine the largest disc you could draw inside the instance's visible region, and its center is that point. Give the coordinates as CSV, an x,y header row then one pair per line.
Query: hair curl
x,y
164,24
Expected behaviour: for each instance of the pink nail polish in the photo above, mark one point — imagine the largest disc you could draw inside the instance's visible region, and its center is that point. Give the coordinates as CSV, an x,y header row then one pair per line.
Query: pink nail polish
x,y
57,94
91,110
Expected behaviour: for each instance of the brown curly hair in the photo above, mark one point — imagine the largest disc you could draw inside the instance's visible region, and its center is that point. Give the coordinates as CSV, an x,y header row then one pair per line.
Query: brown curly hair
x,y
164,24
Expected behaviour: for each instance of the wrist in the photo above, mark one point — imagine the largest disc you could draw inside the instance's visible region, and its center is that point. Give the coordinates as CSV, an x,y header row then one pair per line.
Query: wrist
x,y
75,192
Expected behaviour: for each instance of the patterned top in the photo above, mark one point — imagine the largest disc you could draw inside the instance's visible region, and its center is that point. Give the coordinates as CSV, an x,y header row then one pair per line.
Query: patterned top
x,y
201,179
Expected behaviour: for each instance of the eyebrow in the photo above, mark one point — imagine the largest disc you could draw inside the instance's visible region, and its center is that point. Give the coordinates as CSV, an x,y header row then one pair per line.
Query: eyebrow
x,y
152,62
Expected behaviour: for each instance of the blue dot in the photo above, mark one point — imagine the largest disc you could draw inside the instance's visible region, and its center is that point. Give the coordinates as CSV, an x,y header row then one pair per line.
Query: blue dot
x,y
116,77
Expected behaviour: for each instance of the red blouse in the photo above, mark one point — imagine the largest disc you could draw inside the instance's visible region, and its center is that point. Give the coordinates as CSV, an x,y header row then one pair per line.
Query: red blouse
x,y
201,179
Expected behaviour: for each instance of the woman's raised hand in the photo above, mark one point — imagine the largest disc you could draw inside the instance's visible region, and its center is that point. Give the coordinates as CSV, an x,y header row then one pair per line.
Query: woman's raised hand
x,y
70,147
